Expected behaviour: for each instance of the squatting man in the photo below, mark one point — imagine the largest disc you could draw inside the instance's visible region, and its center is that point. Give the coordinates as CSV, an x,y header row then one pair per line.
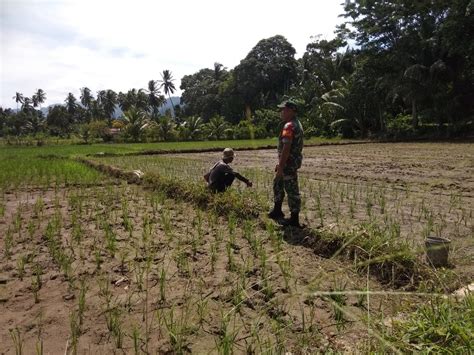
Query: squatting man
x,y
221,175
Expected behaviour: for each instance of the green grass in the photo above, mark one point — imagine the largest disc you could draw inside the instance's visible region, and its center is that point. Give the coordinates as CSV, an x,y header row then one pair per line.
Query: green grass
x,y
17,172
442,326
44,166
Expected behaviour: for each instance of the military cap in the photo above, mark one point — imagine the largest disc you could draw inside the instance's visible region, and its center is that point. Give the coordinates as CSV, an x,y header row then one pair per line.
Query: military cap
x,y
289,103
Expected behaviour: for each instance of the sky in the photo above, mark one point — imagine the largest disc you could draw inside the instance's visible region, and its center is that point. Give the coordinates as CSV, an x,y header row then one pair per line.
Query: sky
x,y
61,46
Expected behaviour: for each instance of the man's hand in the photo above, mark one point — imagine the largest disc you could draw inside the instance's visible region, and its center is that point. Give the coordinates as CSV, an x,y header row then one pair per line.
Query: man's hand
x,y
249,184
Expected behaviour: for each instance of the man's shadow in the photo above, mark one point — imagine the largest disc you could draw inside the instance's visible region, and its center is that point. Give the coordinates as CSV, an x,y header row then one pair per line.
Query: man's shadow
x,y
294,235
310,238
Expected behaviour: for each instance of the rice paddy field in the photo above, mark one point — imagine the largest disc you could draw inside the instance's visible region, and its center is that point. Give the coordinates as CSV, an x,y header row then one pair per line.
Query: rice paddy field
x,y
93,262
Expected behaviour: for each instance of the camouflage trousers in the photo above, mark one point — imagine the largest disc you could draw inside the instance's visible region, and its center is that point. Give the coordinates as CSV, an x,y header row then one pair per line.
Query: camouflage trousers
x,y
288,183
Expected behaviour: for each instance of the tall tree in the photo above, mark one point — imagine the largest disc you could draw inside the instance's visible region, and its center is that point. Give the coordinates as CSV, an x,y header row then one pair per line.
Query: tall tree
x,y
71,104
59,118
86,97
27,105
18,99
201,92
219,71
168,86
35,123
419,47
155,99
86,100
109,101
101,97
39,97
266,73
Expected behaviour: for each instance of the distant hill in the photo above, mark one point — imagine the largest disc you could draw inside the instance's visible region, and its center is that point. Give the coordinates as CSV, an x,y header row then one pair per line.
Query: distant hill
x,y
167,105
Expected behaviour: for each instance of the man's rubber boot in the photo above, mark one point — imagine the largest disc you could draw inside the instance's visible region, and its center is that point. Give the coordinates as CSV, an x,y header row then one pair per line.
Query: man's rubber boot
x,y
293,221
276,213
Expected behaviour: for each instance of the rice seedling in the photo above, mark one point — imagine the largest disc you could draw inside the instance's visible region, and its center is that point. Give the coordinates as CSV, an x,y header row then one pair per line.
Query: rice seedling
x,y
18,222
8,243
21,263
202,310
98,257
162,283
17,340
285,268
214,254
230,257
2,209
137,340
82,301
177,329
115,326
31,228
75,331
110,239
338,301
226,338
35,287
39,346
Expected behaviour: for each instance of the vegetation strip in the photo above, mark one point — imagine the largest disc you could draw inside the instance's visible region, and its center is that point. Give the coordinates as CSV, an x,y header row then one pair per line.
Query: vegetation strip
x,y
391,263
214,149
222,204
367,246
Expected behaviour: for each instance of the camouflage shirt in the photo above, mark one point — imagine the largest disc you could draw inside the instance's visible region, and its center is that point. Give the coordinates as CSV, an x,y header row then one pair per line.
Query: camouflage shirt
x,y
292,131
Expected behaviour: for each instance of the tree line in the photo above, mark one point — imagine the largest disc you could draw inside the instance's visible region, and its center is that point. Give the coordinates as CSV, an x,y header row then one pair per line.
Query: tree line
x,y
395,68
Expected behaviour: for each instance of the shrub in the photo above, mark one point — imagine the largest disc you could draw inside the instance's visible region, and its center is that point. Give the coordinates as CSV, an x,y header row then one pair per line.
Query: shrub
x,y
400,127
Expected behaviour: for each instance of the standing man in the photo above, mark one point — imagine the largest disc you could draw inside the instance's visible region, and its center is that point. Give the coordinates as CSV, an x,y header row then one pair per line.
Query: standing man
x,y
221,176
290,147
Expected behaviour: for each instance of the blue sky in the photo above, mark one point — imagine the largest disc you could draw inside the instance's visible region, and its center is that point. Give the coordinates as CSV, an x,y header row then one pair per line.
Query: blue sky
x,y
63,45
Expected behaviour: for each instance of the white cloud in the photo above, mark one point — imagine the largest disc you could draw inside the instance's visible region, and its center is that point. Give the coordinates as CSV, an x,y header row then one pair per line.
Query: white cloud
x,y
63,46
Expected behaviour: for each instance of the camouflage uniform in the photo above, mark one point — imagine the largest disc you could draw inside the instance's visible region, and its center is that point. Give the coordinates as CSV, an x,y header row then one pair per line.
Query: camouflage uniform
x,y
292,131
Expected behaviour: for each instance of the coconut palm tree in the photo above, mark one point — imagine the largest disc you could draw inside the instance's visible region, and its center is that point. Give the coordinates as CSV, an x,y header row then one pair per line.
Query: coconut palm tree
x,y
136,122
86,100
109,101
168,86
18,98
71,103
141,100
101,96
217,128
155,100
192,127
39,97
218,71
27,104
165,127
86,97
35,123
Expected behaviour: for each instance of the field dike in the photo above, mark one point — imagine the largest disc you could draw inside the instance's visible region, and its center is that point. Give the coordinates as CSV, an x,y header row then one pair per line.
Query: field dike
x,y
215,149
222,204
368,248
